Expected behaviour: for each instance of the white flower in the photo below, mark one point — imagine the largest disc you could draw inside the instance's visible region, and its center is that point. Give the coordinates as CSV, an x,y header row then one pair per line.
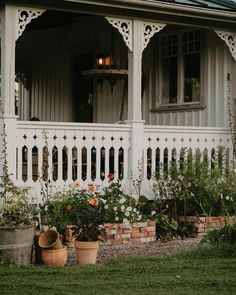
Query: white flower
x,y
104,201
221,196
129,209
227,198
116,218
231,199
125,221
127,213
122,208
115,208
134,209
106,206
153,213
122,200
139,217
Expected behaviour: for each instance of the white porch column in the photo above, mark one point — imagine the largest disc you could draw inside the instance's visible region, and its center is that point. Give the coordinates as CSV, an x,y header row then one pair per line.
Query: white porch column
x,y
8,118
136,35
135,99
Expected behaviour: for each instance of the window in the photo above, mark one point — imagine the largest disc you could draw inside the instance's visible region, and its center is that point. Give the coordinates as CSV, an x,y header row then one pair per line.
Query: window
x,y
179,68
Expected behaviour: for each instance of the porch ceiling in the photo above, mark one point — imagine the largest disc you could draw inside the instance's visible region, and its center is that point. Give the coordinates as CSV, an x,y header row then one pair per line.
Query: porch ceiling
x,y
179,12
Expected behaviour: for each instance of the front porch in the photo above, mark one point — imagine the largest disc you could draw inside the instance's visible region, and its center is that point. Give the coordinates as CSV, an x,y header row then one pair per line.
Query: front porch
x,y
168,103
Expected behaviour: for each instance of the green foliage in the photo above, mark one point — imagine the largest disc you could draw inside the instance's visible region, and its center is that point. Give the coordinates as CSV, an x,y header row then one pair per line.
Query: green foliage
x,y
191,187
15,207
120,207
227,234
166,226
78,207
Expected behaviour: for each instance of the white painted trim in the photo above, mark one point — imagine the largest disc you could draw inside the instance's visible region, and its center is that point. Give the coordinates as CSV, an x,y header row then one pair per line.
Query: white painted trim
x,y
230,40
124,26
24,17
149,30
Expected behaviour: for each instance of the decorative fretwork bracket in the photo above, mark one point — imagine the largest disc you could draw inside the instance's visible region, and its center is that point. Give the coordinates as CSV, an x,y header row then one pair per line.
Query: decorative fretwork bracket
x,y
230,40
124,26
149,30
24,17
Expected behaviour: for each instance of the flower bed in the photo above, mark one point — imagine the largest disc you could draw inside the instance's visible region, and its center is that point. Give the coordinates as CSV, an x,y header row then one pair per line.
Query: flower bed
x,y
201,225
138,232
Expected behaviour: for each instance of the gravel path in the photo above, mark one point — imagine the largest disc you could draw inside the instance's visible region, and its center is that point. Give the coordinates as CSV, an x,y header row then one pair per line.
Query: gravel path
x,y
157,248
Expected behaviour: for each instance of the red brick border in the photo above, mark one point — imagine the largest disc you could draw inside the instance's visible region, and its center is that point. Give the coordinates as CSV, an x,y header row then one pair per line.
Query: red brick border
x,y
139,232
201,225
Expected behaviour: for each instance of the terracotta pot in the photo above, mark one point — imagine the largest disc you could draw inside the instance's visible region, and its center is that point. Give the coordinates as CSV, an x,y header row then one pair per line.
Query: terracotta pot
x,y
86,252
50,239
55,257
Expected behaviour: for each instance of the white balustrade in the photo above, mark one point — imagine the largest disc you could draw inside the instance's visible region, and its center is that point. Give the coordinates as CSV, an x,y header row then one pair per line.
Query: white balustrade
x,y
67,152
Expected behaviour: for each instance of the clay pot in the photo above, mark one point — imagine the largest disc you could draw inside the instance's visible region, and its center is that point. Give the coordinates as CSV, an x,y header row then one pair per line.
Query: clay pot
x,y
86,252
55,257
50,240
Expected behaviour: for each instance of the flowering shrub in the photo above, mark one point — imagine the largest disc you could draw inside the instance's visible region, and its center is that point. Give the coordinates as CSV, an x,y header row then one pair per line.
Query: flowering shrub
x,y
120,207
196,190
79,207
15,208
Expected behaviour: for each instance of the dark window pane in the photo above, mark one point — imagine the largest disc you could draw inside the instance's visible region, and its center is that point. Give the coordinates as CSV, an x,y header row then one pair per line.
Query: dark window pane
x,y
192,77
169,79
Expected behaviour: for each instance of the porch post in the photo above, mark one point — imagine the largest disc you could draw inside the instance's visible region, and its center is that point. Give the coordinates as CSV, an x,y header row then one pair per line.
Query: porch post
x,y
135,100
8,118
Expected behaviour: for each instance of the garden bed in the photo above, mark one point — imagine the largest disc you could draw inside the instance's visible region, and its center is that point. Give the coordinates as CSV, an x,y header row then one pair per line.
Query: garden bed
x,y
135,233
120,233
201,225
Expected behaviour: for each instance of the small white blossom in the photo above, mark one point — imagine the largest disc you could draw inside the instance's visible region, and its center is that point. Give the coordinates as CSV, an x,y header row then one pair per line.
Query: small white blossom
x,y
116,218
115,208
227,198
125,221
106,206
134,209
127,213
122,208
139,217
129,209
153,213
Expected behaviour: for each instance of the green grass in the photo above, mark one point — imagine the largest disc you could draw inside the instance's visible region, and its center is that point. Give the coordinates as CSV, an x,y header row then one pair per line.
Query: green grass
x,y
206,270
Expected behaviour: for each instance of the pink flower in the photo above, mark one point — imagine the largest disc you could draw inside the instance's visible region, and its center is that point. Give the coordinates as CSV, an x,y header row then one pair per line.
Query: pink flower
x,y
110,176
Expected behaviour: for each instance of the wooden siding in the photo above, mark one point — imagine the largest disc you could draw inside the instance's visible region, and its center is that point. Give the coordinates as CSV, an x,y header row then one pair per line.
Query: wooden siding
x,y
51,53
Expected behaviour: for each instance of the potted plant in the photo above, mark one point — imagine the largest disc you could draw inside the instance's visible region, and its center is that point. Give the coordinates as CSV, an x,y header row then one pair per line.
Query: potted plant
x,y
16,223
89,230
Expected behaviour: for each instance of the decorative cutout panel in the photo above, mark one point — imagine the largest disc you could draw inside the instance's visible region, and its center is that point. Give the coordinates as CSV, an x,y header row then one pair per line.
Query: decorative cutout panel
x,y
230,40
149,30
24,17
124,26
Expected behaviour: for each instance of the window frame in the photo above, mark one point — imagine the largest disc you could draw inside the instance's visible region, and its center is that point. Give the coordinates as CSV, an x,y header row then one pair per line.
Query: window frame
x,y
181,104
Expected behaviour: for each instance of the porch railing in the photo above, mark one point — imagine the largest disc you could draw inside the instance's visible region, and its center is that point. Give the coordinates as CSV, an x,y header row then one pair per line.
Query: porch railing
x,y
67,152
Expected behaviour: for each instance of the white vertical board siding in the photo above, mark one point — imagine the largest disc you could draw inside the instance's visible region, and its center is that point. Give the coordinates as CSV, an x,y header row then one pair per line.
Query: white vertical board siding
x,y
217,63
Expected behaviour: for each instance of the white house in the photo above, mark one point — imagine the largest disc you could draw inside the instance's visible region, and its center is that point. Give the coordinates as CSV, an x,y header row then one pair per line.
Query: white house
x,y
118,86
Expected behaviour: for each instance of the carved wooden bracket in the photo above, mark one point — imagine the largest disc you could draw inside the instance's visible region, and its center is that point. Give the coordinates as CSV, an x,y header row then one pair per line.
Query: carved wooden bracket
x,y
24,17
230,39
149,30
125,27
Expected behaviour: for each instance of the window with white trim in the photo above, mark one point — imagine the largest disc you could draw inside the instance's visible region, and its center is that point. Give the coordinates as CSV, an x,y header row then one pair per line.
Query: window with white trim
x,y
179,75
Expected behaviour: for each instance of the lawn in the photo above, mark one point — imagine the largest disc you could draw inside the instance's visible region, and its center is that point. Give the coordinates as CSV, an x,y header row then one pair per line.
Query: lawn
x,y
206,270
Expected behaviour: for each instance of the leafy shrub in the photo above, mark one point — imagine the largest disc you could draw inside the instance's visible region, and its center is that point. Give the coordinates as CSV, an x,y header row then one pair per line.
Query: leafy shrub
x,y
226,234
191,187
